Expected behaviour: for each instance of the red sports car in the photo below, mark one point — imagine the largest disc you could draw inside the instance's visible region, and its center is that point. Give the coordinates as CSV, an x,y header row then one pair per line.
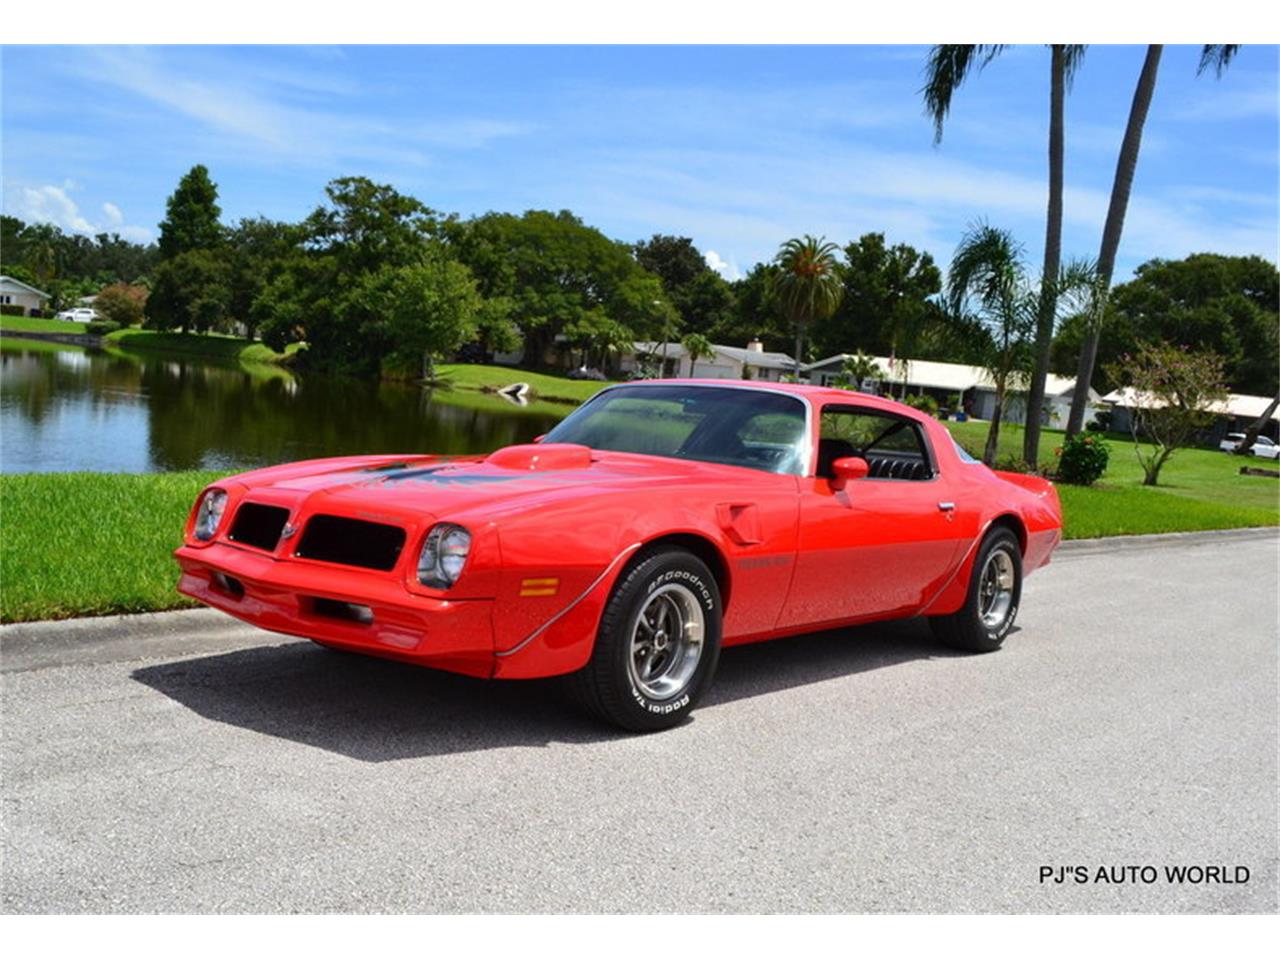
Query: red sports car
x,y
657,523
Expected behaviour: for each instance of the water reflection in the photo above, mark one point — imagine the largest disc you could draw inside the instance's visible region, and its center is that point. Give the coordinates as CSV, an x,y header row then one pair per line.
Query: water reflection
x,y
67,409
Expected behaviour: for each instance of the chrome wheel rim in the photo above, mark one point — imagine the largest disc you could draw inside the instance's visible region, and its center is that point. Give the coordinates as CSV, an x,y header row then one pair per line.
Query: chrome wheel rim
x,y
667,637
995,588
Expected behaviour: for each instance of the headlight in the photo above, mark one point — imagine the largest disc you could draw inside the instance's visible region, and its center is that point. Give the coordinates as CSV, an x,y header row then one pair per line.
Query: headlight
x,y
443,556
212,504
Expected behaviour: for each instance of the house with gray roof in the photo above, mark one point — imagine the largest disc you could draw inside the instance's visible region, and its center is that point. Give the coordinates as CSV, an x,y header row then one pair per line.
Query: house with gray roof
x,y
752,362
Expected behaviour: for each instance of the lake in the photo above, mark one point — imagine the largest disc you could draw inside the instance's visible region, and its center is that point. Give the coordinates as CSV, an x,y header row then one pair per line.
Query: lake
x,y
65,408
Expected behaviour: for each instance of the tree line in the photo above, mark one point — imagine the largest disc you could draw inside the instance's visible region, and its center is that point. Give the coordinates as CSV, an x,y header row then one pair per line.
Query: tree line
x,y
374,281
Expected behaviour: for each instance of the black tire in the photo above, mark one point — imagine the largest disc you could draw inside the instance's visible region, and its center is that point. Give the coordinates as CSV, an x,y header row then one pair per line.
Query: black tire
x,y
966,629
673,587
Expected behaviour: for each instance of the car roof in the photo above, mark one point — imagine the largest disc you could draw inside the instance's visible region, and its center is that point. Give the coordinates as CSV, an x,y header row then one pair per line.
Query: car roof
x,y
813,394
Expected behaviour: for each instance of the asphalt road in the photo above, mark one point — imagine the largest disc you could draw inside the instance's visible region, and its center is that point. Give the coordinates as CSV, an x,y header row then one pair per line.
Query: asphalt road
x,y
183,763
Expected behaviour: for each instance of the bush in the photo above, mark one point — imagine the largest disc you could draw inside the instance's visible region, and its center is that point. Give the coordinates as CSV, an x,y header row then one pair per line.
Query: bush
x,y
13,310
101,328
1082,459
1100,423
121,303
922,402
1013,465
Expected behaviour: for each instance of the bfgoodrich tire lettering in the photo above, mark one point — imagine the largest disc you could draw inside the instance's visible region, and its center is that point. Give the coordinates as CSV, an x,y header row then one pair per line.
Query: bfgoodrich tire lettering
x,y
658,643
991,605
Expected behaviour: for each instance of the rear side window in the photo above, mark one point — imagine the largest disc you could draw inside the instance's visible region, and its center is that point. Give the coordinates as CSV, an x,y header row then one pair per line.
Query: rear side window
x,y
892,446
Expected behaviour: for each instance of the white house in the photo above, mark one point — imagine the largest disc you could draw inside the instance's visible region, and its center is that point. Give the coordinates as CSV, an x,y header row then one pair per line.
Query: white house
x,y
973,385
751,362
16,293
1234,414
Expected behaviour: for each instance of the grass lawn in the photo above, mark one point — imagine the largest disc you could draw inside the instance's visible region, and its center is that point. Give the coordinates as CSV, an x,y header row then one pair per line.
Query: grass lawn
x,y
214,346
474,376
40,325
78,544
1198,490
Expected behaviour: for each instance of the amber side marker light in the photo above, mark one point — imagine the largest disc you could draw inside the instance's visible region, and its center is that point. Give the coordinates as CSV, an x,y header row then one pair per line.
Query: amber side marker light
x,y
540,587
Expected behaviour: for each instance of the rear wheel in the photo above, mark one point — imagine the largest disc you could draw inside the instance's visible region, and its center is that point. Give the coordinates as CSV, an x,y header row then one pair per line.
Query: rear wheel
x,y
991,605
658,644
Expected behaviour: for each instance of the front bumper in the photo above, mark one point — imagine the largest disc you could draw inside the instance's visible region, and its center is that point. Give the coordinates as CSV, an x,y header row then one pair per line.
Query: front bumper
x,y
305,600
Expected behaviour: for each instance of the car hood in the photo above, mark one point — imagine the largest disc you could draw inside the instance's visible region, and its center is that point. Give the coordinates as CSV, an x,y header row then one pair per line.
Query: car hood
x,y
511,478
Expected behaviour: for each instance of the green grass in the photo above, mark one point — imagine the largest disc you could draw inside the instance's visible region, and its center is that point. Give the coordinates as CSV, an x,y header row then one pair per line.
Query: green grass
x,y
212,346
1198,490
78,544
40,325
474,376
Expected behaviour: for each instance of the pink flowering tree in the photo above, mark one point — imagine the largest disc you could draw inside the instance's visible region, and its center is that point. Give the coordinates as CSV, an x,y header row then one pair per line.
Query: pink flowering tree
x,y
1174,390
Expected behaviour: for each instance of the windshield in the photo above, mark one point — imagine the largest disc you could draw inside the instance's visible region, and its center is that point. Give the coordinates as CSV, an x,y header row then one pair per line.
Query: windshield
x,y
743,428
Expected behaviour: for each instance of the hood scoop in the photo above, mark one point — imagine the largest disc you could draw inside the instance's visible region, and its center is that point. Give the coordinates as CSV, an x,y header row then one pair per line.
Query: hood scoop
x,y
539,457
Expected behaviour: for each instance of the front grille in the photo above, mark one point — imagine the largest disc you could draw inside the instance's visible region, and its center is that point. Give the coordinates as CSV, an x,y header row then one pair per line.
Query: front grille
x,y
356,543
258,525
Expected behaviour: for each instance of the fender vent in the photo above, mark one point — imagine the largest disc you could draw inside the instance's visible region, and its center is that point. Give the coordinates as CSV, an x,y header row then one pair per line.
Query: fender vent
x,y
355,543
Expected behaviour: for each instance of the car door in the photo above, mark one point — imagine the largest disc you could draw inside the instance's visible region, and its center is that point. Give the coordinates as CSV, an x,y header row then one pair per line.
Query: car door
x,y
884,544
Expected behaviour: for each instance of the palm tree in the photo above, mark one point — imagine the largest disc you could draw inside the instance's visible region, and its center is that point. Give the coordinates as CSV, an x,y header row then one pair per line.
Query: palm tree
x,y
697,346
809,286
949,65
40,251
991,300
1218,56
1120,189
858,368
986,297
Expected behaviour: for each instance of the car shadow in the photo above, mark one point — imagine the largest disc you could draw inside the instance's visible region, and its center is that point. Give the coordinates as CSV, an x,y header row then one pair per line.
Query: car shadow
x,y
377,710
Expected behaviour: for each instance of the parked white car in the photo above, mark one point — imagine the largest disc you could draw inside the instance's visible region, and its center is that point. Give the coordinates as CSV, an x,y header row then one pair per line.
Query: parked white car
x,y
79,314
1263,447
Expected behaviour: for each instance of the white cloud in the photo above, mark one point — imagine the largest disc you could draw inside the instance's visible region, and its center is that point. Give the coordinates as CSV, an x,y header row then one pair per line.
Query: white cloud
x,y
51,204
254,109
726,268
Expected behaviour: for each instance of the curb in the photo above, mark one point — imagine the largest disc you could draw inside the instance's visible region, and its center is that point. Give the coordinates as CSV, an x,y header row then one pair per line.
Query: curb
x,y
1188,538
134,635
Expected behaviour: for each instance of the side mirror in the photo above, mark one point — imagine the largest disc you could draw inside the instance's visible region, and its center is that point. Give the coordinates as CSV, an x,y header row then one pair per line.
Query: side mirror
x,y
846,469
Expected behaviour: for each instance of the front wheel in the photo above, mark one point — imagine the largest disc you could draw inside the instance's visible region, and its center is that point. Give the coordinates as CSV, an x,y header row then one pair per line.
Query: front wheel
x,y
658,644
991,605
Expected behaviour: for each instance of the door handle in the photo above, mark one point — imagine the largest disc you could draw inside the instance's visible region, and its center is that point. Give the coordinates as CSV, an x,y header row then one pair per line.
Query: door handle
x,y
946,506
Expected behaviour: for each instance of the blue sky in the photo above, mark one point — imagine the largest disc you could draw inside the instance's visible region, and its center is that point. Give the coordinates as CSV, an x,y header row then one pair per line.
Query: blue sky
x,y
736,147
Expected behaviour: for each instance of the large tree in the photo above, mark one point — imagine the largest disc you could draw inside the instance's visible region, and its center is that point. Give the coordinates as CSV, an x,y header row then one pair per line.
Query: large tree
x,y
753,313
701,296
334,288
258,250
1205,301
191,292
886,307
559,276
423,310
808,286
191,220
948,67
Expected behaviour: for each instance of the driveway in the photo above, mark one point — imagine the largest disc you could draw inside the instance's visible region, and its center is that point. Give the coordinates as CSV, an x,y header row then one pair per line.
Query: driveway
x,y
183,763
